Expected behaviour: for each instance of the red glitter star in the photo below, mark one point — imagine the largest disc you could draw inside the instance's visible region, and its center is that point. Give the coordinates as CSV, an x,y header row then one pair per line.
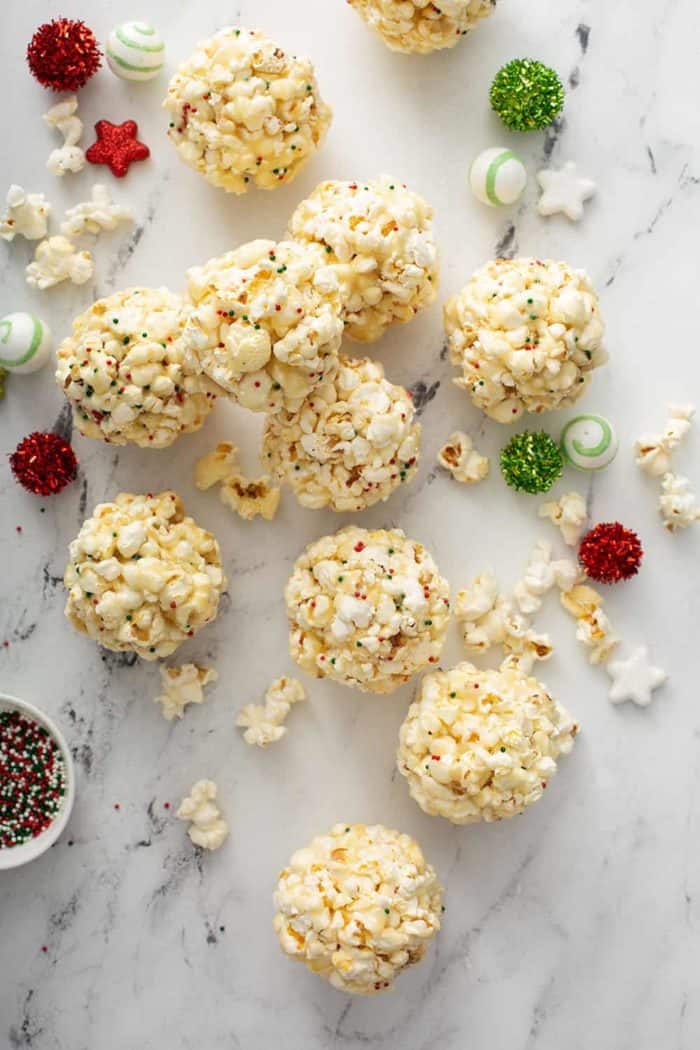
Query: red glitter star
x,y
117,146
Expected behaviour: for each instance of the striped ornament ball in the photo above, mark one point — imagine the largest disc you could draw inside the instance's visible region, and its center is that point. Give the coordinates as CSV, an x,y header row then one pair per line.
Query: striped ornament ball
x,y
135,51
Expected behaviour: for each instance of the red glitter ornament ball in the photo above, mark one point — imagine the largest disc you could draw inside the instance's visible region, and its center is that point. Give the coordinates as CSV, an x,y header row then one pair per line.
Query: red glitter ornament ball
x,y
44,464
610,552
63,54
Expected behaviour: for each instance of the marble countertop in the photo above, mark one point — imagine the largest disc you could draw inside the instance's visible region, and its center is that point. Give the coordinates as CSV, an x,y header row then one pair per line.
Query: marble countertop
x,y
577,925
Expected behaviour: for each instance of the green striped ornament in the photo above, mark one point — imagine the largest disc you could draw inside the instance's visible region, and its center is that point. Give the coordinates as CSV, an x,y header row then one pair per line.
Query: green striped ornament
x,y
589,442
135,51
497,177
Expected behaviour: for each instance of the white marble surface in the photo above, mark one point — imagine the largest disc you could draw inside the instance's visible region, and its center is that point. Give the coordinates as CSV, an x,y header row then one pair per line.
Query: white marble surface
x,y
577,925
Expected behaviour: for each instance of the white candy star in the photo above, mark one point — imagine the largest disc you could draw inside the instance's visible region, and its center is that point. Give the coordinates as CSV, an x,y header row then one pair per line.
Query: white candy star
x,y
635,678
563,191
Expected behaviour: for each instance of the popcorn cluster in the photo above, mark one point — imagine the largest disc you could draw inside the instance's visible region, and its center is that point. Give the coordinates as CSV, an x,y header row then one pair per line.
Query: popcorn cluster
x,y
677,503
27,215
357,906
183,685
265,328
246,497
56,260
366,608
482,744
142,577
421,26
594,629
351,444
264,723
129,373
64,118
243,112
527,335
463,461
208,829
379,247
541,575
654,451
569,514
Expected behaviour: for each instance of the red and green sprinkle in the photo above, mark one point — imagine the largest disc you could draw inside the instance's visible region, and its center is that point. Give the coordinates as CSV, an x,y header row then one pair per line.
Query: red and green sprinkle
x,y
32,779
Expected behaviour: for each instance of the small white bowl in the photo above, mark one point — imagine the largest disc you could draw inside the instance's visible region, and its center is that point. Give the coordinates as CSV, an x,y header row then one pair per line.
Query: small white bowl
x,y
15,856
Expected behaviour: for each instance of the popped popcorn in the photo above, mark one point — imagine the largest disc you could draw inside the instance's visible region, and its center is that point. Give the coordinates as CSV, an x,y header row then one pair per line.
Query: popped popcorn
x,y
216,466
541,575
357,906
142,577
594,628
183,685
64,118
56,260
366,608
569,514
264,723
463,461
97,214
482,744
421,26
677,503
352,442
27,215
208,829
379,246
243,112
261,328
527,335
128,372
250,497
654,451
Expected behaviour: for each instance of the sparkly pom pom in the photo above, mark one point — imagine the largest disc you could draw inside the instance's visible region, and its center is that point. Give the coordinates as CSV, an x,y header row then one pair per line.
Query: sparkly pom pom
x,y
527,95
63,54
531,462
44,464
610,552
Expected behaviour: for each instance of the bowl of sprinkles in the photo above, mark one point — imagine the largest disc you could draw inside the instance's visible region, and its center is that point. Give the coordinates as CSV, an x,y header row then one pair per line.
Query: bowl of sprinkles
x,y
37,782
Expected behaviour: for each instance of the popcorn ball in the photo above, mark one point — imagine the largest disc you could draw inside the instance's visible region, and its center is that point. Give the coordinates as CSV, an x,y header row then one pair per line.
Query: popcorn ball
x,y
366,608
421,26
527,335
142,577
265,328
379,245
243,112
482,744
128,372
351,444
357,906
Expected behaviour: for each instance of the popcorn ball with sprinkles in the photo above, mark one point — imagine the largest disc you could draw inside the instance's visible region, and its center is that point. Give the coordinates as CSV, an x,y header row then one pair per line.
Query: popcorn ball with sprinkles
x,y
32,779
129,373
421,26
63,54
367,608
526,334
142,577
243,112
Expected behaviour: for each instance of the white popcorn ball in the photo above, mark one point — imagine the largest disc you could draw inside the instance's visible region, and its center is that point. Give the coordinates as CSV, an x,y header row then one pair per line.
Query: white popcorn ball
x,y
262,330
352,442
526,334
421,26
482,744
366,608
463,461
142,577
379,247
128,372
357,906
208,829
245,113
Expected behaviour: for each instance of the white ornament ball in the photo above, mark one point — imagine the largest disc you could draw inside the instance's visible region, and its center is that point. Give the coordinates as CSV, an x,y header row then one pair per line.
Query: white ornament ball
x,y
25,343
589,442
497,177
135,51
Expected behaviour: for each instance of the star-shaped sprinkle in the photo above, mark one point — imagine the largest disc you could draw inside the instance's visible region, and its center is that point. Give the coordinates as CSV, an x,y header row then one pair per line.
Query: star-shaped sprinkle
x,y
117,146
635,678
564,191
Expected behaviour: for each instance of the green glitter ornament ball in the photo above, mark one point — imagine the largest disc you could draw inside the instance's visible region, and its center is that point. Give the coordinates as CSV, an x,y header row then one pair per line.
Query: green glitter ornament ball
x,y
531,462
527,95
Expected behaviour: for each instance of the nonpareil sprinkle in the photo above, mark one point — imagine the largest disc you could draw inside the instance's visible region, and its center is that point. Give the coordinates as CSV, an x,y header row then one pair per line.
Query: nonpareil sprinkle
x,y
32,779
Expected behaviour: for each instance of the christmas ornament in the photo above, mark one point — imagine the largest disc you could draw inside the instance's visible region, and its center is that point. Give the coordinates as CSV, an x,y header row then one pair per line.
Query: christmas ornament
x,y
135,51
610,552
43,463
25,343
589,442
635,678
497,177
531,462
117,146
63,54
564,191
527,95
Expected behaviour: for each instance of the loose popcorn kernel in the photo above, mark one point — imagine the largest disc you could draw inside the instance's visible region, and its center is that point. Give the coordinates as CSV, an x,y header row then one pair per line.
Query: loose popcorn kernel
x,y
183,685
421,26
654,451
97,214
351,444
261,328
264,723
216,466
357,906
245,113
27,215
64,118
541,575
526,334
463,461
677,503
569,514
128,373
250,498
481,744
208,829
594,629
56,260
366,608
379,248
142,577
